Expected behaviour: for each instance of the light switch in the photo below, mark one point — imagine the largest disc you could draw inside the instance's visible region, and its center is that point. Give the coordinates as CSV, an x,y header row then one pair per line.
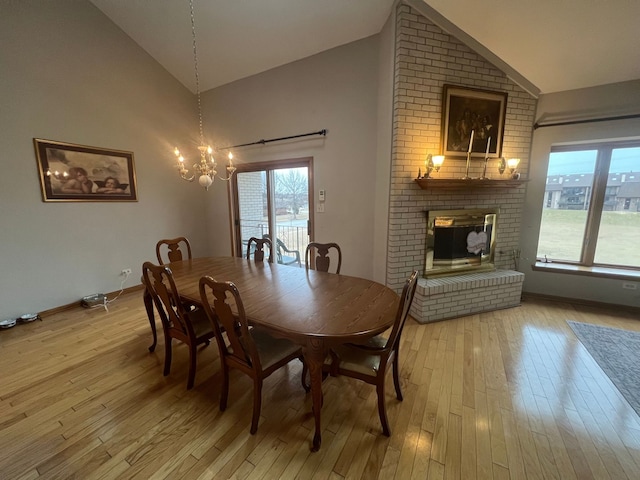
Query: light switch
x,y
321,195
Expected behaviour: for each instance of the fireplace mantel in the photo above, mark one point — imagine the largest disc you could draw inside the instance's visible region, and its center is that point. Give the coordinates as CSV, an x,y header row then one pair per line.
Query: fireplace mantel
x,y
464,183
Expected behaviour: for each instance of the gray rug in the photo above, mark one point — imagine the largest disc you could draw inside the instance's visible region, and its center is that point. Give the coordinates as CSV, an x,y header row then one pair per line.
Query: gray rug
x,y
618,354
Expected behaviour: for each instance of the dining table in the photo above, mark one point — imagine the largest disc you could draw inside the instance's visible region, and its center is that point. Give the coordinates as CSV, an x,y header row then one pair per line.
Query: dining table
x,y
316,310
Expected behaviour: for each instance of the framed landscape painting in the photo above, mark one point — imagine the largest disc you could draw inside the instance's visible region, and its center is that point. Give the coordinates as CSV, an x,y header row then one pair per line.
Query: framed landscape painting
x,y
472,114
78,173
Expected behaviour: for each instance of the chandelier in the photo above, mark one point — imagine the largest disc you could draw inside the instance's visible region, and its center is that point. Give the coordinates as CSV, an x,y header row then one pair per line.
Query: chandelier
x,y
205,170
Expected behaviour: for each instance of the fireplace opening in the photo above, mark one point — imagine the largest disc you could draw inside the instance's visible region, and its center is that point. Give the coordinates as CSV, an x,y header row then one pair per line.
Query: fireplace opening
x,y
460,241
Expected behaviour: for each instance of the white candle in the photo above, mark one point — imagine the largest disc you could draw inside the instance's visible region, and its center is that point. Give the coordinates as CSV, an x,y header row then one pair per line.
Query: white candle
x,y
488,144
471,141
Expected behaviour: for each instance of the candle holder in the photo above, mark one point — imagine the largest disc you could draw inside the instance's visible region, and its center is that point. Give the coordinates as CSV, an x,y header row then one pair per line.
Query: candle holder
x,y
484,171
466,173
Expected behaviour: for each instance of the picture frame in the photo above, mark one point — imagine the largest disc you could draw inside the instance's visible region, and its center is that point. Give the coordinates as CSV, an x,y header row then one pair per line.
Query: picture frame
x,y
467,109
78,173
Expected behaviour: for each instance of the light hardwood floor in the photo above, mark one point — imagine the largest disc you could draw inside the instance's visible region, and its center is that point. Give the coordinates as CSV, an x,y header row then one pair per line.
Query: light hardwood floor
x,y
506,394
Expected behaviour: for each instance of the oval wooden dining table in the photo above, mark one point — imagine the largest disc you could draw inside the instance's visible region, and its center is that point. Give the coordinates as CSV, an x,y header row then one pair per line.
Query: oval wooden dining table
x,y
313,309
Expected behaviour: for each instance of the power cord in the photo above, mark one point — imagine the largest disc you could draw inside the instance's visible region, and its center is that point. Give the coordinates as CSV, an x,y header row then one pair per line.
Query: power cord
x,y
106,302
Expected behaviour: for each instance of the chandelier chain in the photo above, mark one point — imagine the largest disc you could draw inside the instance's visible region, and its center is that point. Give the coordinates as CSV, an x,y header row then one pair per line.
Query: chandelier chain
x,y
195,62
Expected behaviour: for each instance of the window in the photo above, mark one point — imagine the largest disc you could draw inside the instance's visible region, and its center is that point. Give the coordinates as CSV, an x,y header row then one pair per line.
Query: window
x,y
273,199
591,213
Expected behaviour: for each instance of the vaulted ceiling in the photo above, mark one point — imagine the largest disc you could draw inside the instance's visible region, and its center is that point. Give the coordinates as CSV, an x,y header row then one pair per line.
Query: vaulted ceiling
x,y
555,45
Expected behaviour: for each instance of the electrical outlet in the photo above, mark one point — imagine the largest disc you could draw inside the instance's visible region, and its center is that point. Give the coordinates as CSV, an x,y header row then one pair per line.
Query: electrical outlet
x,y
125,271
629,286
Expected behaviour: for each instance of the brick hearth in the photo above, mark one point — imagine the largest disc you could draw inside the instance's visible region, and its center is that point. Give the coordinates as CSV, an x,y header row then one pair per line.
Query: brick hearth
x,y
456,296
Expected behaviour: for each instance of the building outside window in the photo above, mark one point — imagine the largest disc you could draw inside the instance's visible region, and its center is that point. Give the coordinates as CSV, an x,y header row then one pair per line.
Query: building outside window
x,y
591,213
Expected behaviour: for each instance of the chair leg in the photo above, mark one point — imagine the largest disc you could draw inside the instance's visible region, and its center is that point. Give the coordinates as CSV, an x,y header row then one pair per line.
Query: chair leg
x,y
167,355
382,411
224,395
148,305
396,378
257,403
307,387
192,366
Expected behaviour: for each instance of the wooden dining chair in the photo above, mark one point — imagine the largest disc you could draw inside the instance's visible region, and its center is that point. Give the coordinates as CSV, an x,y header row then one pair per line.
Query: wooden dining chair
x,y
369,362
179,320
172,250
323,258
251,350
167,250
256,248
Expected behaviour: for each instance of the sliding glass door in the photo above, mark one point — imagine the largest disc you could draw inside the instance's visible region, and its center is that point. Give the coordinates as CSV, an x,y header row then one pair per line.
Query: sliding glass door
x,y
273,200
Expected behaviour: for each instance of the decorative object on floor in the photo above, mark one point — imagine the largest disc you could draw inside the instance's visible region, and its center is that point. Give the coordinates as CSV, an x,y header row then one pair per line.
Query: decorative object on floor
x,y
205,170
616,351
466,110
28,317
78,173
8,323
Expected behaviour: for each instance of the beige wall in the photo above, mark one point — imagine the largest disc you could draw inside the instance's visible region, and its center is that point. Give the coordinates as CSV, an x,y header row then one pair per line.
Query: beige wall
x,y
598,102
69,74
335,90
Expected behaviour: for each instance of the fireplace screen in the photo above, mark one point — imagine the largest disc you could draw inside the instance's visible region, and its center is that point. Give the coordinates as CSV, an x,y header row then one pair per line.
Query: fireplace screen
x,y
460,241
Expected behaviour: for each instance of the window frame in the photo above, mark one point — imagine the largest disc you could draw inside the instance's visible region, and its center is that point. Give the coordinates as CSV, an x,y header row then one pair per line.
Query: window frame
x,y
595,208
269,166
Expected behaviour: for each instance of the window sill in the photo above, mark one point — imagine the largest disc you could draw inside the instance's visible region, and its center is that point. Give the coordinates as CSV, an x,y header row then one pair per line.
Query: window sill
x,y
604,272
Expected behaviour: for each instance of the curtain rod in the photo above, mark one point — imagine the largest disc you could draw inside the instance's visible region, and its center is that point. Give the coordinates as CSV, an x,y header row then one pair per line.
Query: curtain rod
x,y
322,132
588,120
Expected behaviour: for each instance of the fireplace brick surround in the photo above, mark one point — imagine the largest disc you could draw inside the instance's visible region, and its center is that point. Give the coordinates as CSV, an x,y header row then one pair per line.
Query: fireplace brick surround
x,y
456,296
426,58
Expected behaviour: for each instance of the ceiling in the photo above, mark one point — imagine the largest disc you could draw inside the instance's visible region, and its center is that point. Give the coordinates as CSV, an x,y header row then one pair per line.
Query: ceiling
x,y
555,45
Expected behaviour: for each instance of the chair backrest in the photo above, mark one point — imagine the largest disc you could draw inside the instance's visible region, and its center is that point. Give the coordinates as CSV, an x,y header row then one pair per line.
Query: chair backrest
x,y
280,248
159,282
406,299
258,251
173,247
224,296
323,259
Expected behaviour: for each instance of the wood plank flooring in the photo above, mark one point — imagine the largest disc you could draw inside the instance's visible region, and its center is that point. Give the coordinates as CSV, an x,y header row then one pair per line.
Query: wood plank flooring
x,y
507,394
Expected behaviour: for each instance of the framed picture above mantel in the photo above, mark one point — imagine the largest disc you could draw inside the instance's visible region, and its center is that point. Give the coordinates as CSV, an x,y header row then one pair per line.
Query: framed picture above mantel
x,y
79,173
472,121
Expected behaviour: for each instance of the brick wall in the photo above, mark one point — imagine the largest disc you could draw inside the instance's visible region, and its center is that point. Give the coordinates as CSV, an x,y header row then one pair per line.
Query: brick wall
x,y
426,58
251,186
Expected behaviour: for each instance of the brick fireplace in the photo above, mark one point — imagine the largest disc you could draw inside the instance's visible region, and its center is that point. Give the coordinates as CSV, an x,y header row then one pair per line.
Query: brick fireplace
x,y
426,58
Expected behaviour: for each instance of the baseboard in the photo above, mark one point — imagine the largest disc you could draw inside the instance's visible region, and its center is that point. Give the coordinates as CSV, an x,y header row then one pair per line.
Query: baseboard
x,y
580,301
76,304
